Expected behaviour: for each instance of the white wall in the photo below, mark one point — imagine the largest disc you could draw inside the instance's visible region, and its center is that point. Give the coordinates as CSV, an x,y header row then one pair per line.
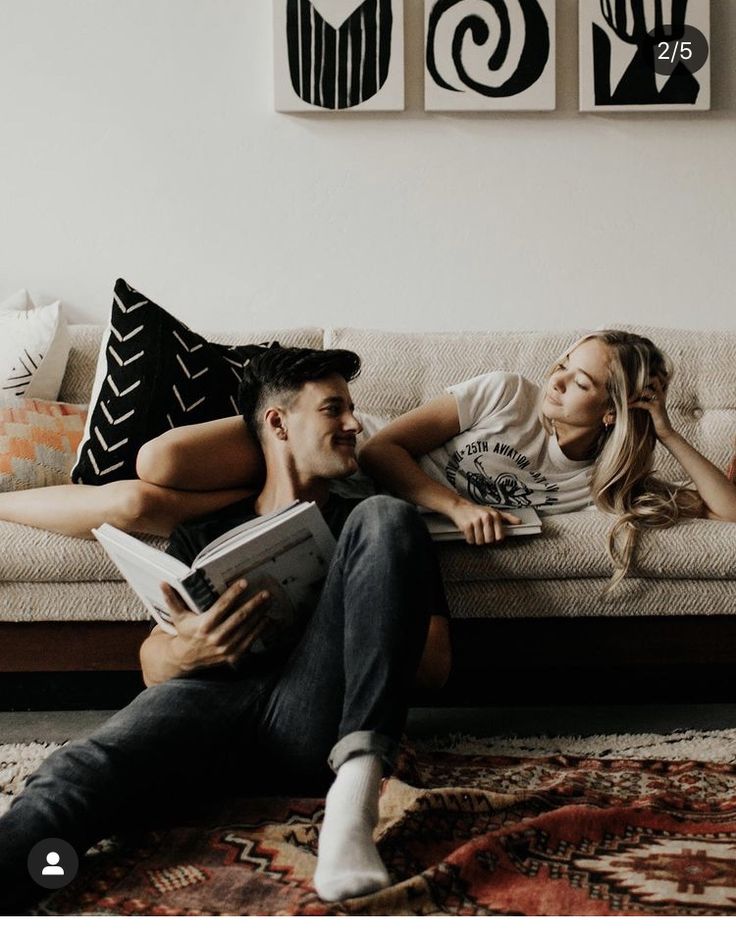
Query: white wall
x,y
139,140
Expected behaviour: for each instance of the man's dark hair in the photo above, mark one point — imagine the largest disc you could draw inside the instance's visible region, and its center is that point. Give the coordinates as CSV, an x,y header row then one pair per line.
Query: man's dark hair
x,y
281,372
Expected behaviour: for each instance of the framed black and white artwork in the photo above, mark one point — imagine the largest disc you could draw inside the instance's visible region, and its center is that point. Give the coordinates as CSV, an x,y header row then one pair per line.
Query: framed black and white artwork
x,y
645,55
489,55
338,55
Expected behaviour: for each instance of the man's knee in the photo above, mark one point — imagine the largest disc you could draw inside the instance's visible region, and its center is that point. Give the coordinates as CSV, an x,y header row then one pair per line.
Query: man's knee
x,y
389,527
385,511
386,521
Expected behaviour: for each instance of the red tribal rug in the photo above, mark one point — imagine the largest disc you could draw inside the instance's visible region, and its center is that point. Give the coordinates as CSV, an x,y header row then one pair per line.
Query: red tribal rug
x,y
461,834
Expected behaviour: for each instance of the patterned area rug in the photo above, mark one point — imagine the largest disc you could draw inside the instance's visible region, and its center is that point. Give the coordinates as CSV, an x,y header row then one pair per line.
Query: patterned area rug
x,y
464,831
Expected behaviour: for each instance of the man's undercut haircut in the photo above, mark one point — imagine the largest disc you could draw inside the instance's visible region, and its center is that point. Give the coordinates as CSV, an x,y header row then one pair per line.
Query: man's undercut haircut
x,y
277,375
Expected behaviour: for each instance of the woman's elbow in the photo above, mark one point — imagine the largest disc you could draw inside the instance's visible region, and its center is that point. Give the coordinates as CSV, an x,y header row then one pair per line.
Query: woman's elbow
x,y
725,515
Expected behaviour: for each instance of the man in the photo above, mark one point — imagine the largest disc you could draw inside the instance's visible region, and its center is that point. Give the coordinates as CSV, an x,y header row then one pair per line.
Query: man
x,y
215,717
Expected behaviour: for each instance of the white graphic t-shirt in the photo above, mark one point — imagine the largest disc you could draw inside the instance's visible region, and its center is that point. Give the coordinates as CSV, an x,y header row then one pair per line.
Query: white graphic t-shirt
x,y
503,457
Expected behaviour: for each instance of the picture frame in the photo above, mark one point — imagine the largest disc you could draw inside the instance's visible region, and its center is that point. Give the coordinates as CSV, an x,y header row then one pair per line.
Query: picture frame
x,y
338,56
482,55
634,58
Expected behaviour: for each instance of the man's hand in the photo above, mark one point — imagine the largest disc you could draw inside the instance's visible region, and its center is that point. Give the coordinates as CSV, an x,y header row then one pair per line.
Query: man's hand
x,y
481,525
224,633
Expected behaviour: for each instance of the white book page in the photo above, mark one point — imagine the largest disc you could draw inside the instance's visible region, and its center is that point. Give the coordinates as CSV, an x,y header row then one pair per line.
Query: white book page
x,y
290,562
144,568
245,532
443,528
276,545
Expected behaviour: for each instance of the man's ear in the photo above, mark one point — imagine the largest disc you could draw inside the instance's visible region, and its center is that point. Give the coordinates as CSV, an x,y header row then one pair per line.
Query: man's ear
x,y
273,420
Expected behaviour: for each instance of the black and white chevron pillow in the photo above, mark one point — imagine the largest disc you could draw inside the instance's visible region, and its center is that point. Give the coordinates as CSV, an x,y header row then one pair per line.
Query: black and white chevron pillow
x,y
153,373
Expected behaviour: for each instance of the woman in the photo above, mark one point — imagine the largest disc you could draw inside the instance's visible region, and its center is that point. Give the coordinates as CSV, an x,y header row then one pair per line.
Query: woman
x,y
591,434
586,438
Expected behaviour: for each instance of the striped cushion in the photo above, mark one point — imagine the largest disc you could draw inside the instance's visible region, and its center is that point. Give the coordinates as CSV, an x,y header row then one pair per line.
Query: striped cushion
x,y
38,441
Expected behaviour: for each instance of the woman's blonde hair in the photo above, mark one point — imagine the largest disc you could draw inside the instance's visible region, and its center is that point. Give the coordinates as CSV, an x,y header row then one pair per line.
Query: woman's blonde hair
x,y
623,481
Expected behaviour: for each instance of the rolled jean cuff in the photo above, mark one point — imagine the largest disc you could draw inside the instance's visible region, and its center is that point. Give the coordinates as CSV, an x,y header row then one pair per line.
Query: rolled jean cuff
x,y
364,743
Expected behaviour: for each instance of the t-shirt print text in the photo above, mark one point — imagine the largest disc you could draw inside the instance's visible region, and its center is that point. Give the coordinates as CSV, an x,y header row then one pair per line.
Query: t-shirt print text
x,y
467,471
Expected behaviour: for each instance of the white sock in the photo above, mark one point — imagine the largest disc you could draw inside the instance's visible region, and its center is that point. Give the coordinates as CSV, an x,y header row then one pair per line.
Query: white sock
x,y
348,864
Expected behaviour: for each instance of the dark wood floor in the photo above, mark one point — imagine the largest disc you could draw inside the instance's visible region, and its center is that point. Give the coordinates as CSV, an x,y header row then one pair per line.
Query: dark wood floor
x,y
426,722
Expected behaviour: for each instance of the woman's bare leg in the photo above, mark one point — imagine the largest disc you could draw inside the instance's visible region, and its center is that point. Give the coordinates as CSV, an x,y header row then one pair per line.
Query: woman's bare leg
x,y
186,472
128,504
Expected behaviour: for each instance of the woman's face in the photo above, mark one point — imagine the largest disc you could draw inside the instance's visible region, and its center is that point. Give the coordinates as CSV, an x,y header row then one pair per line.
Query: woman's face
x,y
576,393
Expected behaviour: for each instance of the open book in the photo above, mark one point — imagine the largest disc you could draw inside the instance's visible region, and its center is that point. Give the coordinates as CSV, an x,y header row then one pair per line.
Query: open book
x,y
443,528
287,552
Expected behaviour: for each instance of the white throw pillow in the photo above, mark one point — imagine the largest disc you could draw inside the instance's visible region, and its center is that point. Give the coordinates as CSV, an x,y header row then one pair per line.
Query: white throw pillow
x,y
34,348
18,301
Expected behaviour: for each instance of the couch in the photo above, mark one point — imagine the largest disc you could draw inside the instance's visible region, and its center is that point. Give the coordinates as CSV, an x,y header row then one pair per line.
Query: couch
x,y
64,607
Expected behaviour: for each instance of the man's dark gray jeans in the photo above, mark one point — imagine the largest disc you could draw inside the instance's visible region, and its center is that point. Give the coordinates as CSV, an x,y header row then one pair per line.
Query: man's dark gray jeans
x,y
343,691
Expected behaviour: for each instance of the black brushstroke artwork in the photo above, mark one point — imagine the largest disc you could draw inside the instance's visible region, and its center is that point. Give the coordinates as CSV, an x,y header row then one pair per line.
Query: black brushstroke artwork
x,y
532,61
638,83
338,68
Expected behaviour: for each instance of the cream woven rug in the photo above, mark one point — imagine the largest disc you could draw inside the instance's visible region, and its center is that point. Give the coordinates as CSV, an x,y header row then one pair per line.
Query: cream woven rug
x,y
19,761
682,745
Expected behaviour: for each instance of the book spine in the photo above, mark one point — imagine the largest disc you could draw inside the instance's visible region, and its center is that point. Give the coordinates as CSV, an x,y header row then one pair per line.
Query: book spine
x,y
200,589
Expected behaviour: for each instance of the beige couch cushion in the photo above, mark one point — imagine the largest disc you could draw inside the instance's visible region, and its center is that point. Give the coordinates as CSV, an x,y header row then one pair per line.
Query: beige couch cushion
x,y
52,577
570,546
65,559
514,599
574,546
109,601
688,569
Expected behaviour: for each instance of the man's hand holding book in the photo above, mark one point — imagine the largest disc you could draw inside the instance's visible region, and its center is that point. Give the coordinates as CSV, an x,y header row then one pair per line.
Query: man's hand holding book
x,y
221,635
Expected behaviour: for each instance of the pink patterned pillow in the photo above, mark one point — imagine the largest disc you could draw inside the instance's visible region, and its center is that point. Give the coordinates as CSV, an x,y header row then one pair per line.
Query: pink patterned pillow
x,y
38,442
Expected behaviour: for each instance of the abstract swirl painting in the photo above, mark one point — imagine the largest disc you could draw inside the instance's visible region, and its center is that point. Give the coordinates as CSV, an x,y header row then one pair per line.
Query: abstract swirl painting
x,y
648,55
338,55
489,55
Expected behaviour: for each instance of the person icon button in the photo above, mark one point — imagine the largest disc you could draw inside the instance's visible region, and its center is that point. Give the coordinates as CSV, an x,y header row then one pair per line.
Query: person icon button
x,y
53,863
53,867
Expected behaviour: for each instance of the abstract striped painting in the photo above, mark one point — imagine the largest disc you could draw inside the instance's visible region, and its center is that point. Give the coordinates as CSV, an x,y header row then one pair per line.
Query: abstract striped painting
x,y
338,55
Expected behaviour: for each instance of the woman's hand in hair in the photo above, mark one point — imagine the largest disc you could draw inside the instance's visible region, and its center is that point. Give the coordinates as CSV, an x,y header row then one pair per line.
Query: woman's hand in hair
x,y
481,525
717,492
654,400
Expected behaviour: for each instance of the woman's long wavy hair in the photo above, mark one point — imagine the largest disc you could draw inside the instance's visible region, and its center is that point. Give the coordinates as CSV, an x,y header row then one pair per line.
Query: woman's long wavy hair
x,y
623,481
